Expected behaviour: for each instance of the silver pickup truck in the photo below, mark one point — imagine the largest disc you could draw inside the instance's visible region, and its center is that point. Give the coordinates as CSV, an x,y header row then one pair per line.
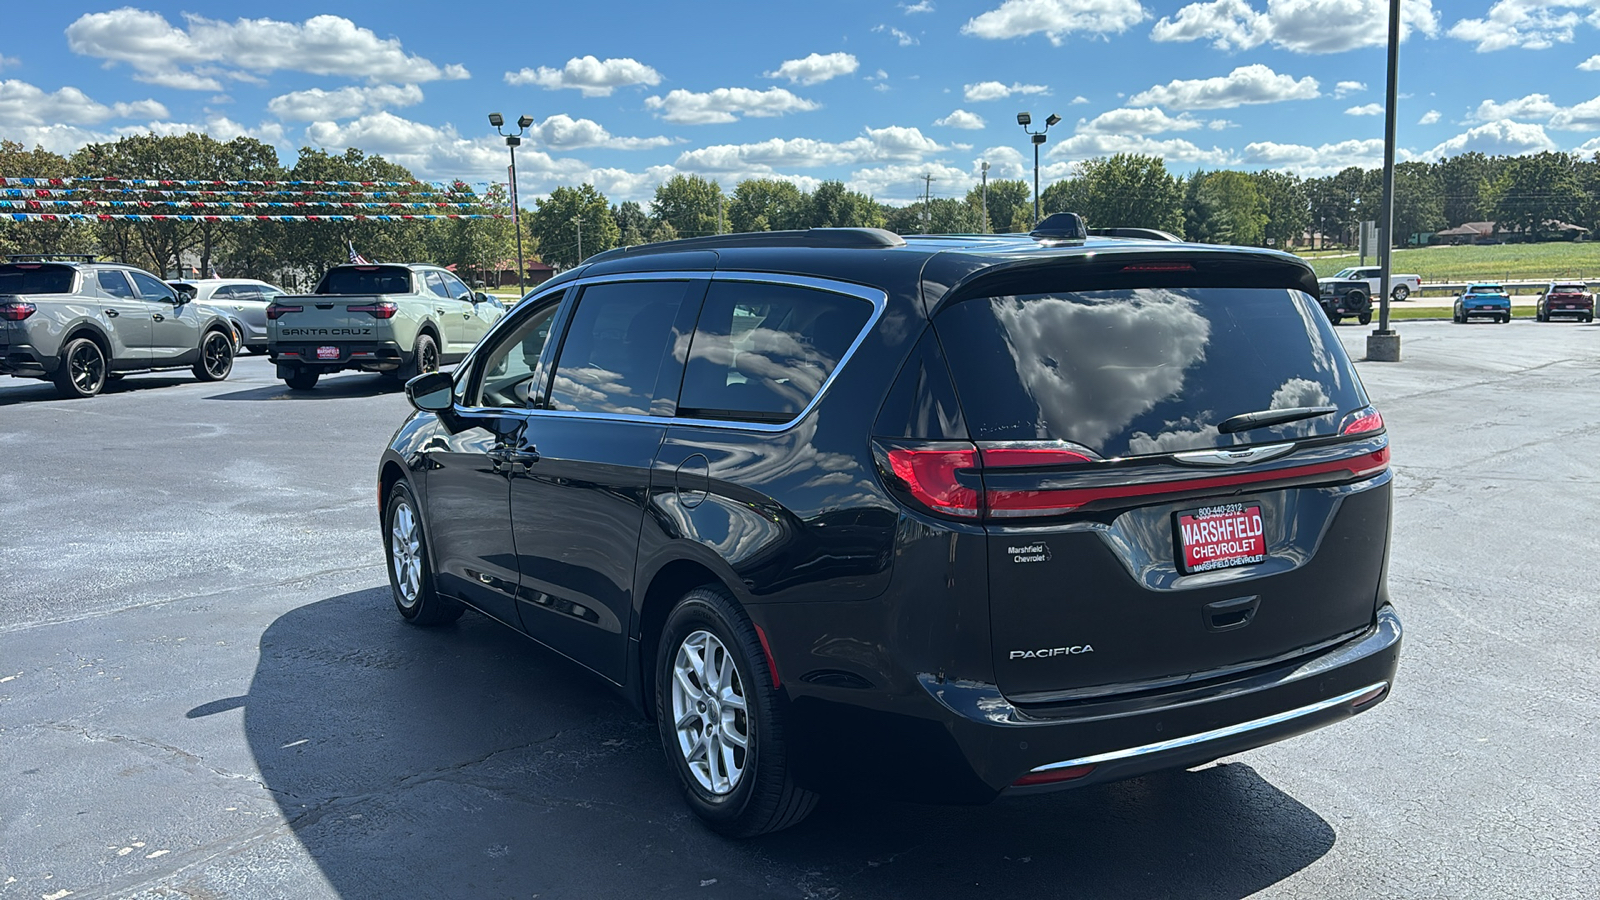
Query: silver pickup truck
x,y
401,319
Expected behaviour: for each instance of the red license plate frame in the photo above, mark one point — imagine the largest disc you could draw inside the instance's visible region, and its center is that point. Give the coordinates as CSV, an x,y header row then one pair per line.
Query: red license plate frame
x,y
1222,536
327,353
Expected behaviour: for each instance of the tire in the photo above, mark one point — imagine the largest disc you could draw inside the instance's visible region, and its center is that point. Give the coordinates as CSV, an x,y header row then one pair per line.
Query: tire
x,y
1365,318
1400,292
761,796
1539,316
82,371
1458,318
424,358
216,356
405,545
256,351
238,345
302,380
1504,319
1335,318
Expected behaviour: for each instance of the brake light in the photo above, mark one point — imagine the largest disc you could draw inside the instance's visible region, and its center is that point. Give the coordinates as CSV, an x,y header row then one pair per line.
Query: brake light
x,y
1053,776
1362,421
1020,455
383,309
929,473
277,312
17,311
1159,267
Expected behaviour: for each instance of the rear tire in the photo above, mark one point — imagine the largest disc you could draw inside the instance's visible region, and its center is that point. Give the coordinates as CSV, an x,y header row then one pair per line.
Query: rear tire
x,y
302,380
424,358
216,356
1365,318
410,576
714,691
1401,292
82,371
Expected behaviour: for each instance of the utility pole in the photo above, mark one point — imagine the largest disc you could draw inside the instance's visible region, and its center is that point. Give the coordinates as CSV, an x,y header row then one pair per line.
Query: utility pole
x,y
985,197
579,220
719,213
1383,345
927,198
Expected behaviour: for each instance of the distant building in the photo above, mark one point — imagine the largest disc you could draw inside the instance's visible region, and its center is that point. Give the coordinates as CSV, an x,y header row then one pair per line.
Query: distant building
x,y
1492,233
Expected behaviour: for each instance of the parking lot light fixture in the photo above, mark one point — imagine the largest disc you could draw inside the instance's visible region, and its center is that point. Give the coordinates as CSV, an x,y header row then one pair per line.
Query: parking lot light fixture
x,y
1038,137
512,142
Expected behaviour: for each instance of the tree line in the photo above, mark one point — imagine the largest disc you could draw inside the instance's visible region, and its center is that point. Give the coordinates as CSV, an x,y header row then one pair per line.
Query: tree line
x,y
1523,194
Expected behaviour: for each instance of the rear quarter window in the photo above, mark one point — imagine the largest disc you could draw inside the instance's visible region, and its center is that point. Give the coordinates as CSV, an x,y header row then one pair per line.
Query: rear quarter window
x,y
35,279
1144,371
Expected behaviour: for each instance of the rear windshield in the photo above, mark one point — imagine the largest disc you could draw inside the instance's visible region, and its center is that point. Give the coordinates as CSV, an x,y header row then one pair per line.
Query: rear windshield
x,y
1487,289
1570,289
35,279
1133,372
366,280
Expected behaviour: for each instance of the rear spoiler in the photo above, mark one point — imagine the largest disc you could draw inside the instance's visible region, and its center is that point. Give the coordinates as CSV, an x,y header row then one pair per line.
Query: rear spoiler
x,y
1149,266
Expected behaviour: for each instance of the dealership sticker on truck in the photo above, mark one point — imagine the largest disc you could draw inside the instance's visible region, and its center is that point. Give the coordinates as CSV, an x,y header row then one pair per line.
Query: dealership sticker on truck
x,y
1218,537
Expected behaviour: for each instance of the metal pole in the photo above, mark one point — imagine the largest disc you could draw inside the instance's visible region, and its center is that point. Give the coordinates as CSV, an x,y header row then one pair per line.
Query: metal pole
x,y
579,220
1036,183
516,217
1384,344
985,198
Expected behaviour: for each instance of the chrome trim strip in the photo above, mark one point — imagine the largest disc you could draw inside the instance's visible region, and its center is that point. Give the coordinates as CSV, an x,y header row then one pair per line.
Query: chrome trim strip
x,y
1212,735
1229,457
878,299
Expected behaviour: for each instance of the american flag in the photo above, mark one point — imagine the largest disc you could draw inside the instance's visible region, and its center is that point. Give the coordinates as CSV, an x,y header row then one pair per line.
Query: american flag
x,y
355,257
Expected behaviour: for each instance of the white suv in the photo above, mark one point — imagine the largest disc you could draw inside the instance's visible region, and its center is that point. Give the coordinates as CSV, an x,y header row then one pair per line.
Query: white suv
x,y
243,300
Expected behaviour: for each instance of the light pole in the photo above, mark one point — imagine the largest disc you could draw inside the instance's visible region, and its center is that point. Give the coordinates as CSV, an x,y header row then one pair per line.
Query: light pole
x,y
1383,345
1024,119
985,169
512,142
578,220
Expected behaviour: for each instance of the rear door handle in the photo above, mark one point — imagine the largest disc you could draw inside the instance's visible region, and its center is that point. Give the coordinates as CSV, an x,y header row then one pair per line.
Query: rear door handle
x,y
439,310
112,313
159,317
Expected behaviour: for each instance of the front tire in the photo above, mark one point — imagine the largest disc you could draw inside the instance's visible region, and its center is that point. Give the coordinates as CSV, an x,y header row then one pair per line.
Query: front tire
x,y
719,720
82,371
1400,292
410,576
216,357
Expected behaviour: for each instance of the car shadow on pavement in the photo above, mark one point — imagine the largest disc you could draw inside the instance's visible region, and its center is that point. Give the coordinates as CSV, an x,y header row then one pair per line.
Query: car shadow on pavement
x,y
28,391
469,761
326,389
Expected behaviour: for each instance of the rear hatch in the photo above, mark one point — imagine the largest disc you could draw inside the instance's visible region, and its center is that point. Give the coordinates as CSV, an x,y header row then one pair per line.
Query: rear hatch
x,y
348,305
1176,483
22,287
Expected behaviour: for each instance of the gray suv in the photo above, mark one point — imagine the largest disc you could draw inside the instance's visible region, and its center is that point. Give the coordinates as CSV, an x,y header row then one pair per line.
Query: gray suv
x,y
80,323
243,300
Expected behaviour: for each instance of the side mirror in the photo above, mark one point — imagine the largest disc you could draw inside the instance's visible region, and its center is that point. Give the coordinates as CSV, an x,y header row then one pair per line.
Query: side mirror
x,y
431,392
480,297
179,298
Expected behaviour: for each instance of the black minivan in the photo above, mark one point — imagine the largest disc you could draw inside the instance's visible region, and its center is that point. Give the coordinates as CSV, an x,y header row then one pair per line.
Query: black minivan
x,y
941,518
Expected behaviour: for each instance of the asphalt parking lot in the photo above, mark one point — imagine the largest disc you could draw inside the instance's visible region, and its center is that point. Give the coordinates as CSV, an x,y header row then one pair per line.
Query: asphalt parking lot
x,y
205,692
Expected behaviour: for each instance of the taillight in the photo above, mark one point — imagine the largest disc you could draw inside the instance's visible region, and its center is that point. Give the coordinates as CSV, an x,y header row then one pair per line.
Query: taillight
x,y
383,309
1031,453
277,312
16,311
1362,421
1053,776
929,474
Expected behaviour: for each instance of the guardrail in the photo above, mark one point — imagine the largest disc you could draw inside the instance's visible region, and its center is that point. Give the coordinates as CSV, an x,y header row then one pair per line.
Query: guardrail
x,y
1515,287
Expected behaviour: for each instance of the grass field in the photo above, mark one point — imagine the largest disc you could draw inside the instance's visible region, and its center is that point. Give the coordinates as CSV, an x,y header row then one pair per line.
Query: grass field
x,y
1505,262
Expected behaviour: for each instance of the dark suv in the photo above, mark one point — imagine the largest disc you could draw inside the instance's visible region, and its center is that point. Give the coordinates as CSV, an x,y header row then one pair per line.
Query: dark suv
x,y
943,518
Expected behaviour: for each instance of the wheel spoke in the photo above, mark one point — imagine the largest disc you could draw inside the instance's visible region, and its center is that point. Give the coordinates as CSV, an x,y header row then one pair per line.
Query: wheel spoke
x,y
688,687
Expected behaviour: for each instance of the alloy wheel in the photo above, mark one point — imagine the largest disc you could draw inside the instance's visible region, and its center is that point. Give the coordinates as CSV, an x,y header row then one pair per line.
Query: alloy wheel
x,y
430,358
405,553
88,367
218,354
709,713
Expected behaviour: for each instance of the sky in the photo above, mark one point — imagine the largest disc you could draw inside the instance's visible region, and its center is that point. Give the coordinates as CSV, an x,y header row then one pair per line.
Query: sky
x,y
875,93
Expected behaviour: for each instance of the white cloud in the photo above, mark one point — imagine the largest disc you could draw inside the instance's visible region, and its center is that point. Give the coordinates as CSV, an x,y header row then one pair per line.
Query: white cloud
x,y
901,37
1583,117
1221,124
1367,109
1302,26
1529,24
726,105
1430,117
816,68
23,104
562,132
1346,88
960,118
196,57
1056,18
1533,106
1079,100
994,90
315,104
902,184
1314,161
892,144
1250,84
1592,64
1175,150
1148,120
921,6
591,76
7,61
1495,139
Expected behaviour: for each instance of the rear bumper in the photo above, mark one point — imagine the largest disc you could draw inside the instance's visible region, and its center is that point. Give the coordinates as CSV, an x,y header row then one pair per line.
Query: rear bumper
x,y
970,744
373,356
24,361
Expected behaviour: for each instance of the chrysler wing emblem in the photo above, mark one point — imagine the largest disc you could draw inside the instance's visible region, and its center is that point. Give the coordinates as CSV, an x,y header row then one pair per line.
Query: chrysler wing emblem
x,y
1232,457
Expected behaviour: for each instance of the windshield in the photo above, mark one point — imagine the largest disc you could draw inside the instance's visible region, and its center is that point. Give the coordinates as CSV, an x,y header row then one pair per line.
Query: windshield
x,y
1152,370
1344,273
35,278
1487,289
366,280
1570,289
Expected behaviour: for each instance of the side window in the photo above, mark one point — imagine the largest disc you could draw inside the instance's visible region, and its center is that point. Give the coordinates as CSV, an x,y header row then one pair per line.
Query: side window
x,y
226,292
435,284
616,347
455,288
761,352
150,288
114,283
506,378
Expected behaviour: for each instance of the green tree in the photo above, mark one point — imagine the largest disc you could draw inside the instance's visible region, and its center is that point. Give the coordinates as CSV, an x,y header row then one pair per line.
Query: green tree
x,y
941,215
632,223
766,204
314,247
1418,201
1463,181
556,225
689,203
1533,191
1127,189
37,235
832,205
1005,198
1224,207
1287,209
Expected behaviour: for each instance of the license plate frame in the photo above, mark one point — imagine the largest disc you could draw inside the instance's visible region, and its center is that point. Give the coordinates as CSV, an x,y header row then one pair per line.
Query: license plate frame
x,y
328,353
1219,536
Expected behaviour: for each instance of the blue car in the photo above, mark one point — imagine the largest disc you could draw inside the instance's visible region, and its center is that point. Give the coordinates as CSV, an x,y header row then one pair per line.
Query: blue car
x,y
1484,300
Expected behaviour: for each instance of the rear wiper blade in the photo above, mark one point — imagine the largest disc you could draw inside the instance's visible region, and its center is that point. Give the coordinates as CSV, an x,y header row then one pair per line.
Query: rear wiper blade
x,y
1268,417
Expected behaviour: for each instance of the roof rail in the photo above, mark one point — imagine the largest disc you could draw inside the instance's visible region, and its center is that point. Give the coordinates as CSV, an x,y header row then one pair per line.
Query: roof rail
x,y
842,238
1062,226
1143,234
49,257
